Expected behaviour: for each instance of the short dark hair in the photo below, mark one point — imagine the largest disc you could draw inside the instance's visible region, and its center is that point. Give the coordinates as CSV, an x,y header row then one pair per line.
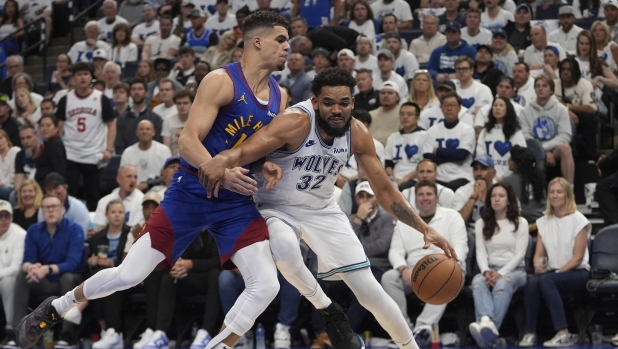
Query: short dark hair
x,y
51,117
183,50
49,100
449,95
524,64
262,20
362,115
364,70
390,15
426,183
165,80
166,17
83,66
184,94
331,77
27,127
137,80
122,86
99,82
413,105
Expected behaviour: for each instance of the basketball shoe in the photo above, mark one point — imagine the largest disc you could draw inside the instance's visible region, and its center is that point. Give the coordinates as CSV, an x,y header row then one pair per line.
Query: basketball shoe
x,y
338,328
32,327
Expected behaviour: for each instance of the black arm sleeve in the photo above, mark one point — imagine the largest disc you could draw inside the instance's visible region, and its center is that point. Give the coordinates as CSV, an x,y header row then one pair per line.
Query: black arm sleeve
x,y
106,109
61,109
19,163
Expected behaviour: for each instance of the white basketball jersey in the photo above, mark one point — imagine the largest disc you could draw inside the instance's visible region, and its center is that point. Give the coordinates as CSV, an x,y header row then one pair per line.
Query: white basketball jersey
x,y
85,133
309,172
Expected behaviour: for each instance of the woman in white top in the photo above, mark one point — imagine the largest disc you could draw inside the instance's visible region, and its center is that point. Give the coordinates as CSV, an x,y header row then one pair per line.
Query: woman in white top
x,y
123,50
560,263
10,22
361,19
221,54
7,165
591,66
27,112
501,132
421,91
505,56
607,49
501,243
588,9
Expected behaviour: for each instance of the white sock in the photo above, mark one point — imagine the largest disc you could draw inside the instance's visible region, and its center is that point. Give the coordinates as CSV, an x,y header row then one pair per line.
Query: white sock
x,y
217,341
282,327
64,303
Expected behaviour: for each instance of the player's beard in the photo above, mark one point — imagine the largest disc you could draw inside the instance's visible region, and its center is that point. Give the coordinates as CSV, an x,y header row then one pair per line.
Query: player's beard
x,y
332,131
281,66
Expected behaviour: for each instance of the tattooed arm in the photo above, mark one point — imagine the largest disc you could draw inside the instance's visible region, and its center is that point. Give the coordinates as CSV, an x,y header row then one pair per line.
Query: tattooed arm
x,y
387,195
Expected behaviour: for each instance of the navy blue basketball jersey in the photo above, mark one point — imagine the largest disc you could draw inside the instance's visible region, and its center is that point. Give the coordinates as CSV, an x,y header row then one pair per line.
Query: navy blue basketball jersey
x,y
242,117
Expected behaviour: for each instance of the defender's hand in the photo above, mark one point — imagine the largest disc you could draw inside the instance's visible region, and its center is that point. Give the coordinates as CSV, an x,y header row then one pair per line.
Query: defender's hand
x,y
272,174
236,180
433,238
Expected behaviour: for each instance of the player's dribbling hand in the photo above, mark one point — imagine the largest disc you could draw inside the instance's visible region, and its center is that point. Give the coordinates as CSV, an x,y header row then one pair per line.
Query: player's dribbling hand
x,y
272,174
433,238
406,276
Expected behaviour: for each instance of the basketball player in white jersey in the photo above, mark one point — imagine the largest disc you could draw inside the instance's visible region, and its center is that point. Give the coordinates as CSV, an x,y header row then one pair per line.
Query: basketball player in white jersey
x,y
311,141
89,132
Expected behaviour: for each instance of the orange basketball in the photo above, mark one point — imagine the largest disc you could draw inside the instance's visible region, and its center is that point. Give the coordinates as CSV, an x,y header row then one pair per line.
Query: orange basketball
x,y
437,279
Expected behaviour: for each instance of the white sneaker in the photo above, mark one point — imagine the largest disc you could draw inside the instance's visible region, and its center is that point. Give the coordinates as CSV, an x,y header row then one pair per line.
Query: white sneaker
x,y
145,338
283,339
10,345
62,344
561,339
201,340
528,341
475,331
158,341
73,316
614,340
489,332
110,339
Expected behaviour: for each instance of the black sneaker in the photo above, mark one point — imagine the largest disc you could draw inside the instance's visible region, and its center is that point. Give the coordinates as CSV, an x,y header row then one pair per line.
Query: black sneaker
x,y
32,327
338,328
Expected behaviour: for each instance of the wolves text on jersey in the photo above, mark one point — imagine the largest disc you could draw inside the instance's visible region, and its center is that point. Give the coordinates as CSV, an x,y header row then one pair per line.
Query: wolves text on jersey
x,y
325,164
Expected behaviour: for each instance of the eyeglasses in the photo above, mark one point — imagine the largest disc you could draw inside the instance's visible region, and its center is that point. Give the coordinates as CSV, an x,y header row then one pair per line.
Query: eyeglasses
x,y
50,207
5,216
462,68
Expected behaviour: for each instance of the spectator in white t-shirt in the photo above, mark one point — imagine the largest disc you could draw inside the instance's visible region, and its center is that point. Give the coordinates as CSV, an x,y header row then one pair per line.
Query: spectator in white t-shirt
x,y
474,95
364,57
453,144
386,62
127,192
82,51
534,53
566,35
399,8
123,50
166,95
495,17
470,199
107,23
524,84
346,60
405,62
149,27
223,20
506,89
473,33
147,155
361,19
111,75
432,115
563,241
183,100
164,45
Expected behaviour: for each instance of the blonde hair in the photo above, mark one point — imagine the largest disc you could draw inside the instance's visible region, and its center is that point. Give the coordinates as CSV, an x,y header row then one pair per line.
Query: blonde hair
x,y
18,109
6,136
38,196
608,34
431,94
571,206
223,37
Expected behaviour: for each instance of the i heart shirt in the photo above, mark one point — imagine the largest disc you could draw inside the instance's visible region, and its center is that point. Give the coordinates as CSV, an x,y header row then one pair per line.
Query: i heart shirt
x,y
462,136
406,150
495,145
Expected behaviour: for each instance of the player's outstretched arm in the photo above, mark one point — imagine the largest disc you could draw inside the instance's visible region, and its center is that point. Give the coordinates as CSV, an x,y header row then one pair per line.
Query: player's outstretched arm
x,y
288,128
388,196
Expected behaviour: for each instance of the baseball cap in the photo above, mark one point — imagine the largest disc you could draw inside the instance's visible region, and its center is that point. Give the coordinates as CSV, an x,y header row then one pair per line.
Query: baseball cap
x,y
485,47
447,84
346,52
171,160
454,25
6,206
500,32
554,49
320,51
196,12
187,3
99,53
392,35
524,6
151,4
152,196
611,3
54,178
4,98
484,160
390,85
566,10
385,52
364,186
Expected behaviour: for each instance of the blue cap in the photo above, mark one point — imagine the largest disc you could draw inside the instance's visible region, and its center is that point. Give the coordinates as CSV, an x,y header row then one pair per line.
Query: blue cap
x,y
554,49
500,32
454,25
484,160
526,6
171,160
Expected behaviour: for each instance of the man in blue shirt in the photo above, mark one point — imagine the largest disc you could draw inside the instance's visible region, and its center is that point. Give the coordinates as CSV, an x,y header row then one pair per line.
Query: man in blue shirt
x,y
74,209
441,64
53,262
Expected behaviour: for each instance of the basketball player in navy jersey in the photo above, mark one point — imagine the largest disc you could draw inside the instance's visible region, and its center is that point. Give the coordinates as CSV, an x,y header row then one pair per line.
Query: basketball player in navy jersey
x,y
232,103
302,202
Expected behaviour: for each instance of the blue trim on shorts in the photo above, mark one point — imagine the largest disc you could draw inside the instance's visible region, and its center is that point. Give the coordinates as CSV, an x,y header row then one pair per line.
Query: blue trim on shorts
x,y
345,269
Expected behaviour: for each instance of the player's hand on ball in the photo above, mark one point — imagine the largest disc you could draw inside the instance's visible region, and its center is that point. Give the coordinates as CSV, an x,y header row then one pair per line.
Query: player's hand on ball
x,y
272,174
406,276
236,180
433,238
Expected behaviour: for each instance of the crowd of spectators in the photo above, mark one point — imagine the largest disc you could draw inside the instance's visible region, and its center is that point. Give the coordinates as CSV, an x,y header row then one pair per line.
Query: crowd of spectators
x,y
467,117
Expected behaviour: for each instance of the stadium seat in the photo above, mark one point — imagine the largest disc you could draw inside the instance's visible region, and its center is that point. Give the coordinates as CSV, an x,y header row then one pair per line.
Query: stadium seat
x,y
539,153
129,71
604,256
585,23
550,13
410,34
107,180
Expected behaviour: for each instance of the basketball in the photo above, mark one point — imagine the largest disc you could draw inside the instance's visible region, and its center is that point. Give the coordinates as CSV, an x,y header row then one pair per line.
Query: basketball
x,y
437,279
